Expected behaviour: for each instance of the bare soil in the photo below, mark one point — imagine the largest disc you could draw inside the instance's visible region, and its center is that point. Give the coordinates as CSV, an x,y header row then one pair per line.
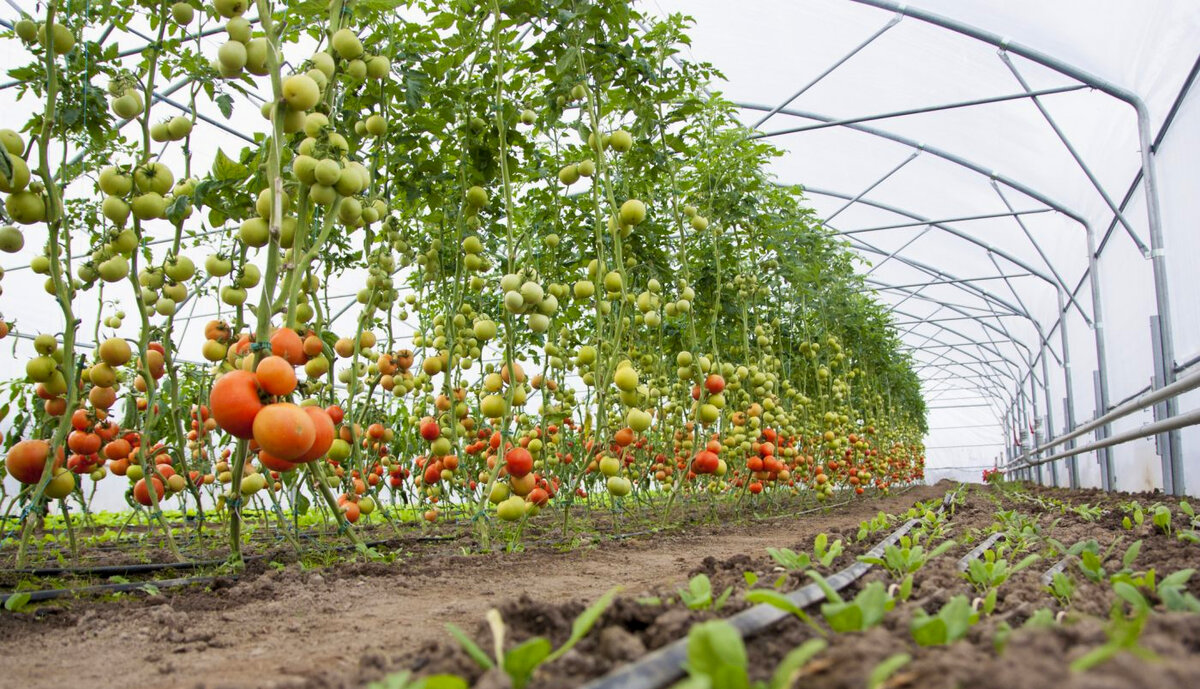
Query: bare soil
x,y
1033,658
350,623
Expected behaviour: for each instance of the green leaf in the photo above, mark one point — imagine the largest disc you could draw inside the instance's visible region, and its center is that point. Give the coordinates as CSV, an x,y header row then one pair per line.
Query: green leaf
x,y
1131,554
226,169
886,668
16,602
520,662
750,577
788,670
225,104
716,650
1128,593
566,62
472,649
586,620
928,631
777,600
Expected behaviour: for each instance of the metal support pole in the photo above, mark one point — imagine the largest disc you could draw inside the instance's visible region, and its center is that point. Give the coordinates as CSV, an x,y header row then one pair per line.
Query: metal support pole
x,y
881,180
1072,461
941,221
1162,296
902,247
1102,456
1166,441
1069,396
918,111
829,70
1087,171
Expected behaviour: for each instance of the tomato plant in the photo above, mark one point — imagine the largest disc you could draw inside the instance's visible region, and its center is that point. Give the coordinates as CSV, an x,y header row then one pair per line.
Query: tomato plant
x,y
572,278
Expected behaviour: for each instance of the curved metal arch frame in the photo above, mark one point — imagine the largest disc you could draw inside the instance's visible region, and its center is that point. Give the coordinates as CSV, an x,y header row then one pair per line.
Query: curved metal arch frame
x,y
1172,466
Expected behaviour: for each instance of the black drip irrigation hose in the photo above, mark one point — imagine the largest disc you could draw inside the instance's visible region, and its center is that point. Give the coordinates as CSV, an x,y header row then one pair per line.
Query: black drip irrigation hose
x,y
665,665
50,594
120,570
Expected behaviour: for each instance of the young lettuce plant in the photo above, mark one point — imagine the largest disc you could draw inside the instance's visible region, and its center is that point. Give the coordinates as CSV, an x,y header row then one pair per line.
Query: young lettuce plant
x,y
823,553
699,594
717,660
1162,519
865,611
950,624
1062,587
520,662
905,559
1124,631
990,571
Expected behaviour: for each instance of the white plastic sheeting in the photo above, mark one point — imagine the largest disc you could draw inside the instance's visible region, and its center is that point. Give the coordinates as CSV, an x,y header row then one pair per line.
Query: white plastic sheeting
x,y
977,341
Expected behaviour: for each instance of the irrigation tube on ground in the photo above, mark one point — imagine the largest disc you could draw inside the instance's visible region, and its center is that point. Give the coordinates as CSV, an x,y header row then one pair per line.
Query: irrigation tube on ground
x,y
664,665
660,667
50,594
1184,384
966,559
1059,566
1191,418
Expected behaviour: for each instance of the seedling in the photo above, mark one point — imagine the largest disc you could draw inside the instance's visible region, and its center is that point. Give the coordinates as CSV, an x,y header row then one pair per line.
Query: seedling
x,y
1172,590
717,660
1162,519
1124,634
865,611
888,667
906,557
823,553
1062,587
877,523
989,572
781,602
520,662
699,594
950,624
401,680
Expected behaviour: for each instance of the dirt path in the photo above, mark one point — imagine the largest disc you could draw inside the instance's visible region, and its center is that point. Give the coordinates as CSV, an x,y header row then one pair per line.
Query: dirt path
x,y
285,628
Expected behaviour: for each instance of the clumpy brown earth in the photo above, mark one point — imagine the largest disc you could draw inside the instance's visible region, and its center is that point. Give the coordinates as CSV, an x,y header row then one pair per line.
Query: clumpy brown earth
x,y
1034,657
350,623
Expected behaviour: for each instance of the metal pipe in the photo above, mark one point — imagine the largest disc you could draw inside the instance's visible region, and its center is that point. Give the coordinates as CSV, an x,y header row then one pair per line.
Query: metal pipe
x,y
1180,386
965,218
1087,171
1153,211
955,281
1155,428
920,110
829,70
881,180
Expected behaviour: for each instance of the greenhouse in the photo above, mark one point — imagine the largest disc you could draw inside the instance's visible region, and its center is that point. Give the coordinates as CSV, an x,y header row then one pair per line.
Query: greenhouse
x,y
420,344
